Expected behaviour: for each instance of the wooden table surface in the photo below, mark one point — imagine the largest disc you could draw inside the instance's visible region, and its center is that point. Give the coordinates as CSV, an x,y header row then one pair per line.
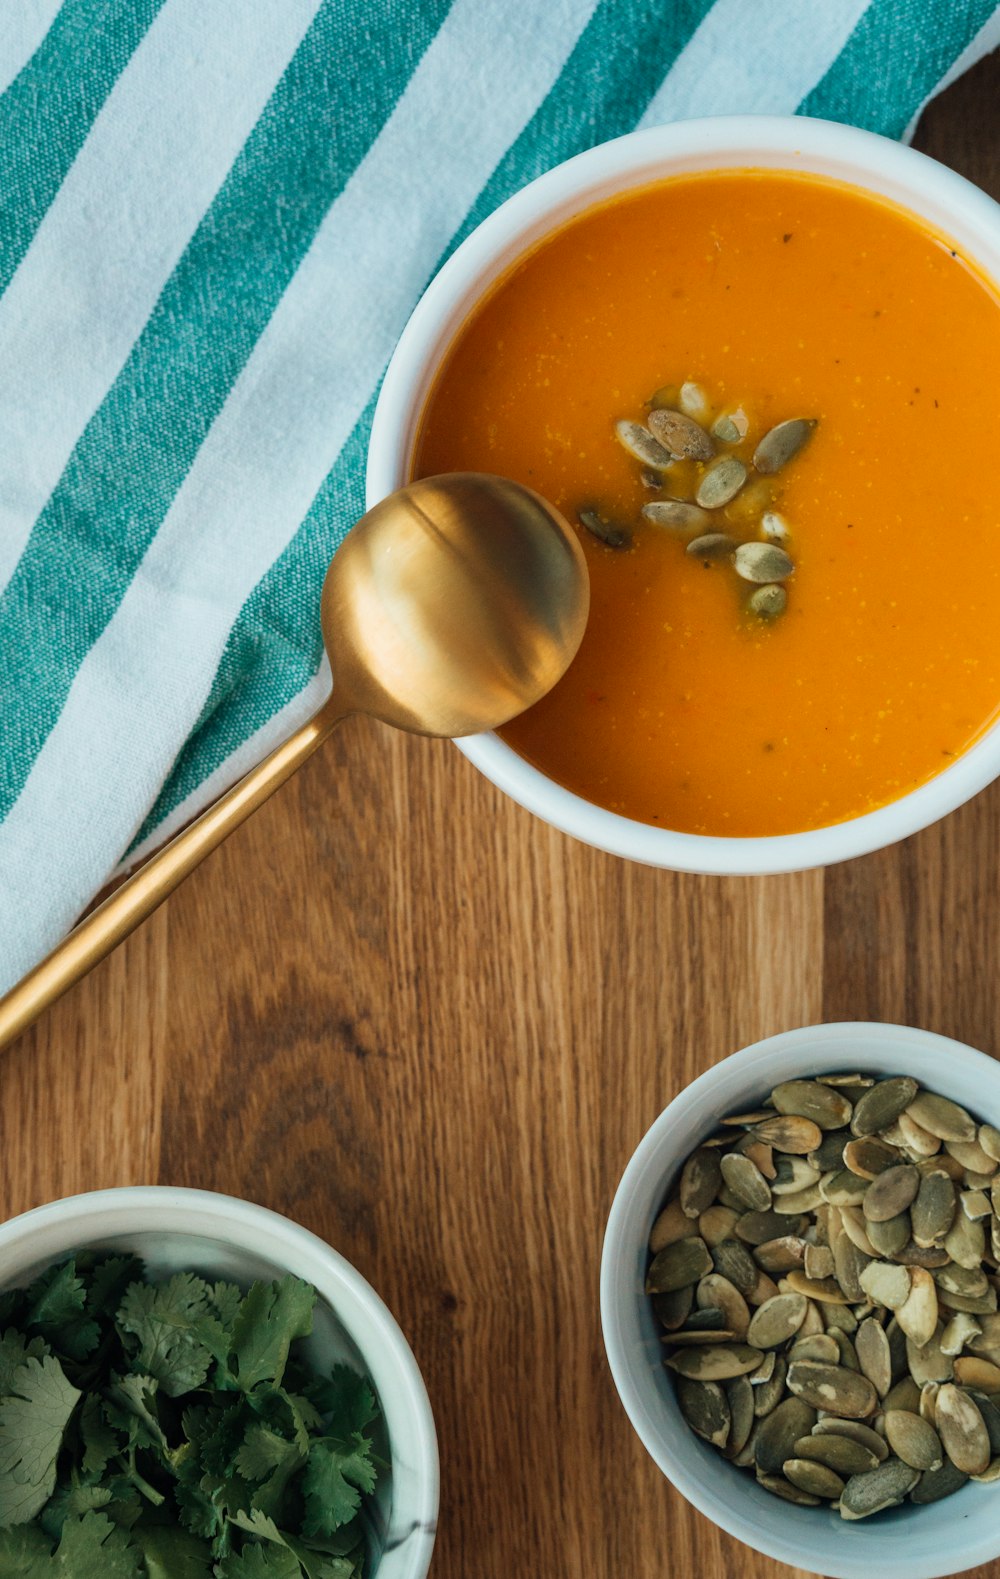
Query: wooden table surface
x,y
402,1011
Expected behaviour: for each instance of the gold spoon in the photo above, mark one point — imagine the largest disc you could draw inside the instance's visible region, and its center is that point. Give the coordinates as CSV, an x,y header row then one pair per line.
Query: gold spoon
x,y
452,606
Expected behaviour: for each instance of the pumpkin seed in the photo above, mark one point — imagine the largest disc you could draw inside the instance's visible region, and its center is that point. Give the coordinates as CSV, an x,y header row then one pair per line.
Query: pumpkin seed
x,y
778,446
916,1138
747,1120
991,1420
918,1315
974,1203
706,1320
889,1238
817,1346
849,1262
746,1181
735,1262
679,435
793,1174
882,1104
942,1117
913,1440
670,1225
756,1228
971,1156
693,401
700,1180
712,546
904,1395
957,1333
962,1430
768,602
988,1340
689,1336
819,1480
928,1362
836,1452
965,1241
672,1310
856,1229
780,1487
990,1474
846,1352
829,1154
877,1488
815,1323
934,1484
916,1255
721,482
961,1280
781,1255
872,1348
765,1372
862,1082
825,1106
818,1261
607,532
705,1407
933,1209
679,1264
970,1371
855,1431
764,1288
714,1363
769,1393
642,446
725,428
825,1289
739,1397
891,1192
676,514
787,1132
887,1284
775,528
777,1320
763,562
779,1432
833,1388
716,1292
975,1304
989,1139
666,395
868,1156
717,1223
844,1188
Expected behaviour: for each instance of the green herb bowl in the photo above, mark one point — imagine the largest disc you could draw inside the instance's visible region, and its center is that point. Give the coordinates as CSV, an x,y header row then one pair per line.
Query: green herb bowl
x,y
219,1237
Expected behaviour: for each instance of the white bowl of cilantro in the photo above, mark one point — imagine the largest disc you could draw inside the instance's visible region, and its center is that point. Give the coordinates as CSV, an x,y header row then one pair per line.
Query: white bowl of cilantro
x,y
194,1387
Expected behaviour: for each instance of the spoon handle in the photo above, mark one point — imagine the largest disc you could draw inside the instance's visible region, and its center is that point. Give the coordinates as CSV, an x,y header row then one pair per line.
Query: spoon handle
x,y
140,894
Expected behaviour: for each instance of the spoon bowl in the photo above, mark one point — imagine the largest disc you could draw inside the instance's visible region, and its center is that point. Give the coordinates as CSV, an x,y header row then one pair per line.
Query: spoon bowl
x,y
454,604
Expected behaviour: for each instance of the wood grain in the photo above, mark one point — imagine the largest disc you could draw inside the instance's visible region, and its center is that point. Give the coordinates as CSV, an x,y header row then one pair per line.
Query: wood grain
x,y
430,1028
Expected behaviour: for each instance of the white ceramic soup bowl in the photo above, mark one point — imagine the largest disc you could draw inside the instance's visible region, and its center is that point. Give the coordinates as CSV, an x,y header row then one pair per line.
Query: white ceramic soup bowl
x,y
220,1237
903,1543
950,205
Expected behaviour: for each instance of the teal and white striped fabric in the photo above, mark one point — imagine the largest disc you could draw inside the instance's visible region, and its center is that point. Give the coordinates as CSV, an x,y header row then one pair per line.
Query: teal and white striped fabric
x,y
215,218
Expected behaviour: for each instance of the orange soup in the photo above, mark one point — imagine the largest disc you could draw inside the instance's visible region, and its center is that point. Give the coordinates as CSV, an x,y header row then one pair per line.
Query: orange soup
x,y
776,296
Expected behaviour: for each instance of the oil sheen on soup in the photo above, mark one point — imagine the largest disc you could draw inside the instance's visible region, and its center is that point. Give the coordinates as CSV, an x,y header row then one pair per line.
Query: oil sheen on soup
x,y
774,297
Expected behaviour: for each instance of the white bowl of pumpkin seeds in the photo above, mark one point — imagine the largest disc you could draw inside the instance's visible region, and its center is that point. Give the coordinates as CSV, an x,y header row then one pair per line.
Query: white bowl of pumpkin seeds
x,y
799,1299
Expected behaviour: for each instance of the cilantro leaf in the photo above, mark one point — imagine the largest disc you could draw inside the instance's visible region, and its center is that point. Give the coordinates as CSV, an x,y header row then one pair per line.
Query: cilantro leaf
x,y
165,1318
264,1451
24,1553
109,1277
226,1301
260,1562
331,1498
130,1407
270,1318
345,1396
100,1440
172,1553
92,1548
14,1350
32,1422
55,1305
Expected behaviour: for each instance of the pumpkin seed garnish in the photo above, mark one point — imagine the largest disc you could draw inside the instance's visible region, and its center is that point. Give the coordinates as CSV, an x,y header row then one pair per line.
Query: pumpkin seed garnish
x,y
705,1407
676,514
642,446
762,562
712,546
605,531
721,482
877,1489
679,435
836,1452
778,446
768,602
810,1475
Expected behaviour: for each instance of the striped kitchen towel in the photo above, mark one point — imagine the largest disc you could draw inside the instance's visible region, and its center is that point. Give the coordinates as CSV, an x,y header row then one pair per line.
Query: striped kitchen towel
x,y
215,218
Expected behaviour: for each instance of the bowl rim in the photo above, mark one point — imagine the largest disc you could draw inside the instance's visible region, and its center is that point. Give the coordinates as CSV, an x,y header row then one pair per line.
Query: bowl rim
x,y
884,1038
911,179
133,1210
